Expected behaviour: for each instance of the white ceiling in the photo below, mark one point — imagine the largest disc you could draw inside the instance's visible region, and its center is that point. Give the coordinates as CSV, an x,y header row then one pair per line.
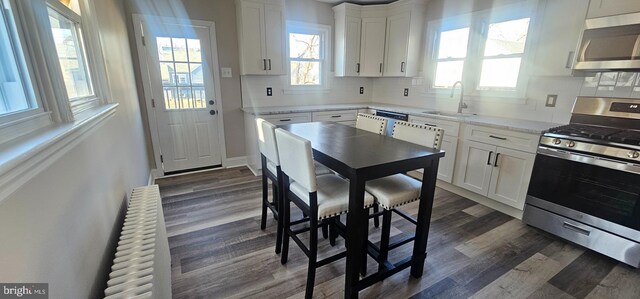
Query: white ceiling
x,y
357,1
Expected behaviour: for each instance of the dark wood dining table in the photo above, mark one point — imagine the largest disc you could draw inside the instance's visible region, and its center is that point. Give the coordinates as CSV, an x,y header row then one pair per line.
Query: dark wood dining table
x,y
361,156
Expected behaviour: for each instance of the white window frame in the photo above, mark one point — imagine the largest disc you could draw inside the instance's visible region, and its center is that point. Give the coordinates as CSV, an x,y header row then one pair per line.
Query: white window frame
x,y
325,56
479,24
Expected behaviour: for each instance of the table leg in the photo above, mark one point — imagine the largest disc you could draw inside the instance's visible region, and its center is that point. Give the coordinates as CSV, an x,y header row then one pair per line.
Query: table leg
x,y
355,231
424,218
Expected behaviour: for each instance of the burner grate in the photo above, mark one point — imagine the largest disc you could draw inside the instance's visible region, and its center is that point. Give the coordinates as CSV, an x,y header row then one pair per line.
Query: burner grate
x,y
586,131
626,137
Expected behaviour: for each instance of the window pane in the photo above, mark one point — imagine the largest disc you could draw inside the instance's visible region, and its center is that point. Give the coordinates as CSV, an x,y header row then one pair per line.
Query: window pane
x,y
182,74
507,37
199,97
165,52
500,73
305,73
304,45
195,54
197,78
70,50
179,49
13,96
447,73
170,98
185,97
453,43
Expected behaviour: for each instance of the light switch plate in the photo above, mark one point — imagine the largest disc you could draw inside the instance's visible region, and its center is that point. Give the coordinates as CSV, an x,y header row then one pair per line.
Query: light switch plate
x,y
551,100
226,72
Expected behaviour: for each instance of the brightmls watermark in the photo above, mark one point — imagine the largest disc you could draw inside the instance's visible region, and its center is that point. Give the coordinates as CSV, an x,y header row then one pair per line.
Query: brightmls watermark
x,y
24,290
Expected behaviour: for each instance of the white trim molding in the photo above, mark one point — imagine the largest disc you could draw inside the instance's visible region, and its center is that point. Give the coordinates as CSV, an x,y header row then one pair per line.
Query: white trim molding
x,y
235,162
25,157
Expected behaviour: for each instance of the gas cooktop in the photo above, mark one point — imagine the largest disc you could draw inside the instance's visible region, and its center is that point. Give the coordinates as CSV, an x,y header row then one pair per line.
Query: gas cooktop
x,y
623,136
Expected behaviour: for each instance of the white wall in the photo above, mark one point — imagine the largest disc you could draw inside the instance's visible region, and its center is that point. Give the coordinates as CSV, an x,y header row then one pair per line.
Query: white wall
x,y
61,226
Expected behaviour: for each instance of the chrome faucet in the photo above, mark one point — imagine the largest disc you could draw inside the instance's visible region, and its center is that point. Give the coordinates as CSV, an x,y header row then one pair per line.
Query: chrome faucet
x,y
461,104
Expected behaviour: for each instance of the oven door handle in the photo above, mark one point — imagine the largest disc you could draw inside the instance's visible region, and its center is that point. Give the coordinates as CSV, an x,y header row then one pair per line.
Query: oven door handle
x,y
588,159
576,228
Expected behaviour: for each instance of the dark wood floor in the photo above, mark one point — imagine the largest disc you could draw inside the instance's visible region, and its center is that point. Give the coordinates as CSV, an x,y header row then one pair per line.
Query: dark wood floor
x,y
219,251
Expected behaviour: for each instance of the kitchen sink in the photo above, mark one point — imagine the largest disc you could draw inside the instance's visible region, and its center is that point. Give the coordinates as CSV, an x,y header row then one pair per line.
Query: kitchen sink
x,y
449,114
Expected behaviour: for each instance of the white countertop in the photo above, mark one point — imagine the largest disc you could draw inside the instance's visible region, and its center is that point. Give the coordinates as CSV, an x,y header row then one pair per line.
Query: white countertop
x,y
526,126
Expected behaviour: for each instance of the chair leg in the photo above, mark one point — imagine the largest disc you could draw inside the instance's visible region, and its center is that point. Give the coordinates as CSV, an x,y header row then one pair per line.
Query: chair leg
x,y
384,240
376,220
278,203
285,215
313,250
265,199
332,231
325,230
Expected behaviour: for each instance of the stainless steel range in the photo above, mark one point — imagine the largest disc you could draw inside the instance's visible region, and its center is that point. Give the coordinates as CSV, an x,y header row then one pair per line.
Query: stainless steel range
x,y
585,185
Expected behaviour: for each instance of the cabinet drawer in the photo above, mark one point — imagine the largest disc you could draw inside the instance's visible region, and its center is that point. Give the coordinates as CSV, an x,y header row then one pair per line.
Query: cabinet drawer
x,y
337,116
505,138
289,118
451,128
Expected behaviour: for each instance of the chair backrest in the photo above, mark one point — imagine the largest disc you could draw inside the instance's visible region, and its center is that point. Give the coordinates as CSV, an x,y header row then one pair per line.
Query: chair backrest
x,y
267,140
296,159
424,135
371,123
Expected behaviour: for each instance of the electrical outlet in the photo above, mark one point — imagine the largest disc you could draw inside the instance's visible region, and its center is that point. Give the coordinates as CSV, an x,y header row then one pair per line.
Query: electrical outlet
x,y
406,92
226,72
551,100
269,91
361,90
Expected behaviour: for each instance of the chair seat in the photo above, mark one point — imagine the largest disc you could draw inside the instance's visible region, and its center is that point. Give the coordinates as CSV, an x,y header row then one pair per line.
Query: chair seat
x,y
320,169
333,195
394,190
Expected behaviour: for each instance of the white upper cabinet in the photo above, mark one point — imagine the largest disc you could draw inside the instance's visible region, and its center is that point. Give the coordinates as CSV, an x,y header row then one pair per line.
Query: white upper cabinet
x,y
558,38
389,39
603,8
261,29
372,47
347,42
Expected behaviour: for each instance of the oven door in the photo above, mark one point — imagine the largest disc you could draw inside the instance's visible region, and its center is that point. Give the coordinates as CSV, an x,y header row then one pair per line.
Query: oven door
x,y
600,192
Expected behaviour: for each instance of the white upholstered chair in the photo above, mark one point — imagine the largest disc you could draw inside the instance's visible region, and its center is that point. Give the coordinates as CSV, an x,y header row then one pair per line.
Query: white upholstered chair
x,y
323,198
371,123
271,171
399,189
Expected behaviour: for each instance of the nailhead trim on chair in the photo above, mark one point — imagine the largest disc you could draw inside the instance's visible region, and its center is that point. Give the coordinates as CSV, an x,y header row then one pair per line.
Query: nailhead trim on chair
x,y
394,206
344,212
439,131
374,117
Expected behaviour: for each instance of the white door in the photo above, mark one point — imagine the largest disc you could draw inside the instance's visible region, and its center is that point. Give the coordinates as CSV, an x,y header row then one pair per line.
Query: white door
x,y
180,63
372,46
396,45
475,166
352,46
510,177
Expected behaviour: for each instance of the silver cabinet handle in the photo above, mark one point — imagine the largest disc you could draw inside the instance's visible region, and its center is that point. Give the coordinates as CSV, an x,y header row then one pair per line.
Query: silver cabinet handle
x,y
336,116
380,67
495,162
489,158
264,64
269,63
286,119
358,67
402,67
498,137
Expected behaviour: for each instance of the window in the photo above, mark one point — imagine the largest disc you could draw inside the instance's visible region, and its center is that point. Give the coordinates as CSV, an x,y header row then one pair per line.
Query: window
x,y
308,48
16,93
181,72
486,50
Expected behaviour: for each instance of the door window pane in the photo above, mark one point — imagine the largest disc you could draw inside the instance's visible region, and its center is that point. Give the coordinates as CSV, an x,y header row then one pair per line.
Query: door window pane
x,y
15,87
501,72
71,55
453,43
447,73
507,38
305,73
182,79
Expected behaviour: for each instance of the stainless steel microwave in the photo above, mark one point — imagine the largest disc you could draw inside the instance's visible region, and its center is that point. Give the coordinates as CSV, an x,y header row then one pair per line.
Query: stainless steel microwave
x,y
609,43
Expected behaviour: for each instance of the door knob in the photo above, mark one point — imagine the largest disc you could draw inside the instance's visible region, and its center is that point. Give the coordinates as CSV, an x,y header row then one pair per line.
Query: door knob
x,y
212,112
211,102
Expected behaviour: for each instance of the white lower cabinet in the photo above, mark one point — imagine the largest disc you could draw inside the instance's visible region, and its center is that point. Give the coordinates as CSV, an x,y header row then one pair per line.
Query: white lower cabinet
x,y
449,144
498,173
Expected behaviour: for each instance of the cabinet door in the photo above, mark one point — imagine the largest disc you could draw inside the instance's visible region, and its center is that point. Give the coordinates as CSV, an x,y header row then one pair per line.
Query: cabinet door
x,y
445,168
556,48
397,41
601,8
475,166
253,38
510,177
274,39
372,46
352,46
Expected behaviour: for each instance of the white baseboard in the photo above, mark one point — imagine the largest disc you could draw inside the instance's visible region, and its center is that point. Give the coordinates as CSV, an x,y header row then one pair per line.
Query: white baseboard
x,y
500,207
153,175
235,162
